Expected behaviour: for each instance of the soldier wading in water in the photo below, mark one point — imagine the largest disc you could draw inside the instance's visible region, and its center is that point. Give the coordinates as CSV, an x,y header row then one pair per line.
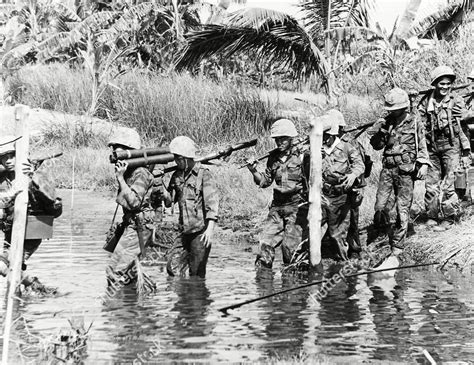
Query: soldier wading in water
x,y
41,201
133,196
287,221
192,186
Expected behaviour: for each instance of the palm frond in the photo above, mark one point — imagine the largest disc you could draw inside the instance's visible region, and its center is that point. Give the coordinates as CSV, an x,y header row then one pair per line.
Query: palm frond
x,y
12,59
256,17
348,33
65,12
407,18
285,45
444,21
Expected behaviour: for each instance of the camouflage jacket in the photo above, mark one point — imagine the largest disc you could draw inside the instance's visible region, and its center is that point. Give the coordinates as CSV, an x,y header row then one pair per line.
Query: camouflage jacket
x,y
435,118
342,159
197,198
403,144
136,203
291,175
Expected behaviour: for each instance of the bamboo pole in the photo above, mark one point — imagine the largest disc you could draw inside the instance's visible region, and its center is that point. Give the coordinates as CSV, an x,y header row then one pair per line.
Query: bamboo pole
x,y
19,223
315,183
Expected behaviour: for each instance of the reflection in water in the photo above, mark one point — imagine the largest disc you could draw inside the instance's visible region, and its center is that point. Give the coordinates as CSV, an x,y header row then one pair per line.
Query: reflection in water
x,y
362,319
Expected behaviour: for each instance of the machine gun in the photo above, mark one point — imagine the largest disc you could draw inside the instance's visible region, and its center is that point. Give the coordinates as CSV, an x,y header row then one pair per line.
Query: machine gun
x,y
226,152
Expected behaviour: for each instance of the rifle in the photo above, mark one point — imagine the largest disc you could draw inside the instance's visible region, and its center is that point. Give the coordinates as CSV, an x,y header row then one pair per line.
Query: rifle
x,y
415,93
301,141
361,127
37,162
213,156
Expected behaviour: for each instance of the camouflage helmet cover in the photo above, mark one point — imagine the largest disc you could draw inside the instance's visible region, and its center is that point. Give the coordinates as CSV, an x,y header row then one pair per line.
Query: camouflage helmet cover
x,y
183,146
396,99
127,137
441,71
283,128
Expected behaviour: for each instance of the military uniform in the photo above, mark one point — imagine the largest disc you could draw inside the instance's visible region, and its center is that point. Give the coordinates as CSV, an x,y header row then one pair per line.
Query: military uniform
x,y
339,160
198,202
41,201
444,152
287,221
404,145
138,217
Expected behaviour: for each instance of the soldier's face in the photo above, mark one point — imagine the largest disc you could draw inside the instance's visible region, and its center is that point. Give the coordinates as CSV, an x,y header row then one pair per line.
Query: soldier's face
x,y
443,86
397,113
283,143
328,139
183,163
8,161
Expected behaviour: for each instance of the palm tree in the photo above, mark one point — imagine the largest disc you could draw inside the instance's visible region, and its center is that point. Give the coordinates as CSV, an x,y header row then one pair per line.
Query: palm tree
x,y
306,47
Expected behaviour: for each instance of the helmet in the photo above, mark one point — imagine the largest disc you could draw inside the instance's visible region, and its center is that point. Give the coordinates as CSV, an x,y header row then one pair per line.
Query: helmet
x,y
127,137
183,146
283,128
330,125
441,71
7,144
396,99
471,75
337,117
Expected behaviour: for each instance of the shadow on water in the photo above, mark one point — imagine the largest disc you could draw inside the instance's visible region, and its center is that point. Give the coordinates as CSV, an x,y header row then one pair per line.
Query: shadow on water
x,y
380,317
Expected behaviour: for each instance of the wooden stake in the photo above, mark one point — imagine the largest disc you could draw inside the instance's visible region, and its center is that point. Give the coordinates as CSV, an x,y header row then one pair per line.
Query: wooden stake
x,y
315,183
19,223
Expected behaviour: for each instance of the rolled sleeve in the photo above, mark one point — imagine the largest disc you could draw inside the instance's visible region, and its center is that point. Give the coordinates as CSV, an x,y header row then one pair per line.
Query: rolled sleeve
x,y
210,196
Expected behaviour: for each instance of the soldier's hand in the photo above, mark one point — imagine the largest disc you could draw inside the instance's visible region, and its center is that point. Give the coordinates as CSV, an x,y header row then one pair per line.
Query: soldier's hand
x,y
466,161
251,164
120,168
458,111
349,180
28,169
422,171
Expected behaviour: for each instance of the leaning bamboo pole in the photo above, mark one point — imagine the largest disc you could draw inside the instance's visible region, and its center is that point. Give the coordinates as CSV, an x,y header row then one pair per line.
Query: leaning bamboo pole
x,y
315,183
19,223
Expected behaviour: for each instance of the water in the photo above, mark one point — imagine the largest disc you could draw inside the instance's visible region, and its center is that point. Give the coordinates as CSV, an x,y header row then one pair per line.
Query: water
x,y
364,319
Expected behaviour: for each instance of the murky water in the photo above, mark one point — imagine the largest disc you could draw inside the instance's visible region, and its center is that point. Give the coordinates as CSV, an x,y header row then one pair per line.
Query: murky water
x,y
377,318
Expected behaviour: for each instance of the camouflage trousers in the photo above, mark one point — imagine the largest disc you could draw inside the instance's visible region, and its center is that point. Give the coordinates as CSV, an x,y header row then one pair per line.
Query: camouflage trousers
x,y
128,249
285,226
336,213
400,184
188,254
440,180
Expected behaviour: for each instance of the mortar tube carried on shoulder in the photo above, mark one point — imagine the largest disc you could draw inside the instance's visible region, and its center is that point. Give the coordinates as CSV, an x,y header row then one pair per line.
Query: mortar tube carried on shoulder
x,y
427,91
133,154
151,160
213,156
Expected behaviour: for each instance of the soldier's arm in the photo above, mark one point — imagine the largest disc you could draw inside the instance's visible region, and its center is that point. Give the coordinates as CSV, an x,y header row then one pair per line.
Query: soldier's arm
x,y
355,160
459,111
422,156
131,197
210,196
263,179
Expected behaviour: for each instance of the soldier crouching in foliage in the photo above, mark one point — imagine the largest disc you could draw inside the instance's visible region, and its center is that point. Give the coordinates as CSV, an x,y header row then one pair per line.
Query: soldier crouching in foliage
x,y
441,112
287,221
41,201
405,158
133,196
342,165
192,186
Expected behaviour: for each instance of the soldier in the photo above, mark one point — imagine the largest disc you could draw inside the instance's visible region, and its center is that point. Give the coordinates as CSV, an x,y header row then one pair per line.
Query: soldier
x,y
441,112
192,186
133,196
354,195
41,201
286,223
342,166
405,158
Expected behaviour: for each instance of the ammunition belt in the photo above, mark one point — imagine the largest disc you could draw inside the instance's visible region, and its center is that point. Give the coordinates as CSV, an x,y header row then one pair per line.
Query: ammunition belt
x,y
390,161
